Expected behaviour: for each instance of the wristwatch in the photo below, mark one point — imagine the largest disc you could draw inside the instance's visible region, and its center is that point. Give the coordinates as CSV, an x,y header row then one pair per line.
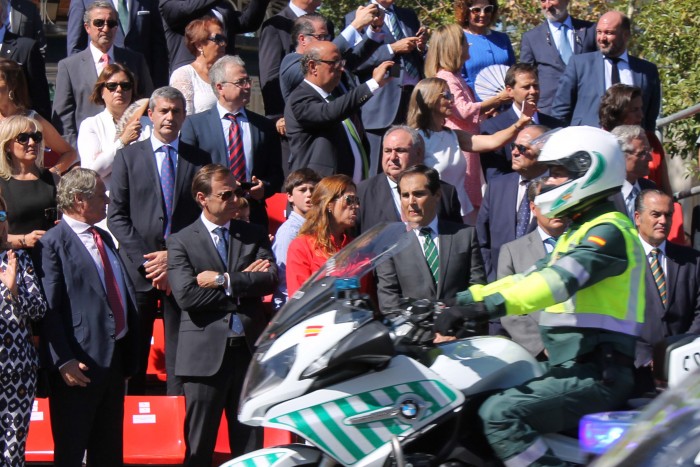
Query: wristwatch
x,y
220,280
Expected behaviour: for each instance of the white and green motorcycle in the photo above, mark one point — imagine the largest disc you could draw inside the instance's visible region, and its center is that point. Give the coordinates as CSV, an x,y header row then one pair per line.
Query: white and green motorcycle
x,y
366,390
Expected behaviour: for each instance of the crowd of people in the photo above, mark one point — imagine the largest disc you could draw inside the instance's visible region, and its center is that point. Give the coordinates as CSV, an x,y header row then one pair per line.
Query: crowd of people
x,y
140,192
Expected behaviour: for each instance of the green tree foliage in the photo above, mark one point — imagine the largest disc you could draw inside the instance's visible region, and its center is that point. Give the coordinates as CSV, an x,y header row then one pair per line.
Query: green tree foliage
x,y
665,33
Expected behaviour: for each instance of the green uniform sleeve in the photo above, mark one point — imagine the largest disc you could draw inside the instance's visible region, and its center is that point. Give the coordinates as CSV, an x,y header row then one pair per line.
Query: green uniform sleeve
x,y
600,255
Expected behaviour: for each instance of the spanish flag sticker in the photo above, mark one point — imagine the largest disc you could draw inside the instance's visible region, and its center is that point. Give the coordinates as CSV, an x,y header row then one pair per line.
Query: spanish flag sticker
x,y
597,240
312,331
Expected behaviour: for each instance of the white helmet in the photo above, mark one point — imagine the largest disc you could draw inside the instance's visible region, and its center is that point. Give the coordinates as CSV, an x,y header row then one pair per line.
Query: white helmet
x,y
595,164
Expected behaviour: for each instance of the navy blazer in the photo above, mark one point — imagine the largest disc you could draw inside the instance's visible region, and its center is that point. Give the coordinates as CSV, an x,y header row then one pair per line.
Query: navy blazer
x,y
407,274
495,224
550,66
317,138
583,84
177,14
27,53
79,324
207,311
145,36
136,213
498,162
25,20
381,111
377,204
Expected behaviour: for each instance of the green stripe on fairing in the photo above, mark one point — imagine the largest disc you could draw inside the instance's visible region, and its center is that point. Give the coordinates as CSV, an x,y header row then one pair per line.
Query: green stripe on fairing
x,y
366,430
270,459
420,390
300,424
338,432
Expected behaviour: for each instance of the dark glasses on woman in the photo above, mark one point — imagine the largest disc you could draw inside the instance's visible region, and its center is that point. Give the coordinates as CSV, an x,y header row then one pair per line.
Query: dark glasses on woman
x,y
23,138
112,86
487,10
218,39
3,216
351,200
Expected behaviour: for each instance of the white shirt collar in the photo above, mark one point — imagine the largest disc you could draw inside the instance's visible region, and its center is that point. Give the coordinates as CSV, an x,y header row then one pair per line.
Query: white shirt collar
x,y
323,93
211,226
156,144
648,247
75,225
433,226
557,24
223,111
296,10
518,113
627,188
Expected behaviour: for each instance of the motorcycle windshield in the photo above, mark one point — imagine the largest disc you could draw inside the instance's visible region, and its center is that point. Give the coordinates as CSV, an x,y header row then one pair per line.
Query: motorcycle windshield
x,y
357,259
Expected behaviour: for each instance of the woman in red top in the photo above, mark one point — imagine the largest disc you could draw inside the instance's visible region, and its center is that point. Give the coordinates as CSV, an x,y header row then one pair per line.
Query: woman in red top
x,y
333,213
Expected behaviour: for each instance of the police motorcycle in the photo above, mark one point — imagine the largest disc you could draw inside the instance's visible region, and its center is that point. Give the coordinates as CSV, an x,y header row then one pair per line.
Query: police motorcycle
x,y
369,389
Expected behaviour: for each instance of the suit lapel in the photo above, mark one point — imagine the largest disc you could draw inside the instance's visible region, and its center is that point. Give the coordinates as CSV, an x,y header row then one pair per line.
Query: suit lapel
x,y
183,173
151,168
80,258
234,247
672,272
208,245
422,263
536,250
637,77
445,246
385,200
599,67
216,124
88,65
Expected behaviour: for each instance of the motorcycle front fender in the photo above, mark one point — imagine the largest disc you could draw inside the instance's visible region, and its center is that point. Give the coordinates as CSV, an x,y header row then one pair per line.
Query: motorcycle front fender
x,y
290,455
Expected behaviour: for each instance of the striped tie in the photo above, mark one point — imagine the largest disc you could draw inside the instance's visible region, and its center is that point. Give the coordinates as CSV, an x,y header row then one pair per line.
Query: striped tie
x,y
397,32
236,155
355,140
431,254
658,273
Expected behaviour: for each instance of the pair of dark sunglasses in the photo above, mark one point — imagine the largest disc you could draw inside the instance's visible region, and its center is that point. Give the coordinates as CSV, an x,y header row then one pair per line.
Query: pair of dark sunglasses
x,y
226,195
112,86
351,200
521,149
218,39
23,138
100,23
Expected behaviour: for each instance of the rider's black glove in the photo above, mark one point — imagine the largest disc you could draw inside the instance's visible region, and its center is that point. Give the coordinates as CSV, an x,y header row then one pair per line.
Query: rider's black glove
x,y
452,320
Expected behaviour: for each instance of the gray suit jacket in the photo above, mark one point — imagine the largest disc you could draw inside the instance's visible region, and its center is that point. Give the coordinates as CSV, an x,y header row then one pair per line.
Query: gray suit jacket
x,y
583,84
407,274
208,311
516,257
75,80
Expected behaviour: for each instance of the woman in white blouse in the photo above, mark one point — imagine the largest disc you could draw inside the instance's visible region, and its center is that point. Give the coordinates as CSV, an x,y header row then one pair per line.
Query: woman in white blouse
x,y
98,142
206,40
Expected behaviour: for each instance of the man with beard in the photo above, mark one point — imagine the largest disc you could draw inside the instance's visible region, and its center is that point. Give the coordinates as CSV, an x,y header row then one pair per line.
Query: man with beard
x,y
564,37
588,76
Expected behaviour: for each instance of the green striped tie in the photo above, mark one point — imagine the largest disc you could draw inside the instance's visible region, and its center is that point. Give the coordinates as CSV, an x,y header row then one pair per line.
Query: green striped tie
x,y
355,140
431,253
658,273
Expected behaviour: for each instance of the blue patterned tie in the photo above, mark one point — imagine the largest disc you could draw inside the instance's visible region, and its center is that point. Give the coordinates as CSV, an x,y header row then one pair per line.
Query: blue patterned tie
x,y
523,217
221,244
167,184
629,202
564,44
551,242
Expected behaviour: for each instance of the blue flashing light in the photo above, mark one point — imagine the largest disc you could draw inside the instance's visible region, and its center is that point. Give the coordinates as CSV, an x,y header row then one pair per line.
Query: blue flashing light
x,y
347,283
598,431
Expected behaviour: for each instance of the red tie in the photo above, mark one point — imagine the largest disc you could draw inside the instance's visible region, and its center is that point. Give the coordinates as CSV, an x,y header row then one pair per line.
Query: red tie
x,y
236,155
114,296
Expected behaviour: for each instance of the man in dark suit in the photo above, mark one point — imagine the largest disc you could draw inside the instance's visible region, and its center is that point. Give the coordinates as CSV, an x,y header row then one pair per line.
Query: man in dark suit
x,y
672,280
27,53
78,73
522,84
322,135
504,214
90,330
443,256
219,269
177,14
520,255
564,36
588,76
215,133
402,147
140,30
25,21
275,43
404,43
635,146
150,199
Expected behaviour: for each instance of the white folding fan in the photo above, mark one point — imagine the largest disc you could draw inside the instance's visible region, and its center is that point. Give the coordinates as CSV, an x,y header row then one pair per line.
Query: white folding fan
x,y
490,81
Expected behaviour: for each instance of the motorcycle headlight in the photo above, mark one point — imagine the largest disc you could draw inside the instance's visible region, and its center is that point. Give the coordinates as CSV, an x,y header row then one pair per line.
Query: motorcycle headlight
x,y
265,375
598,431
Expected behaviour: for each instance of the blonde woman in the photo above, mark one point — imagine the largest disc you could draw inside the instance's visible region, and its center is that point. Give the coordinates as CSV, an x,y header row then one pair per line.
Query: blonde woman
x,y
28,188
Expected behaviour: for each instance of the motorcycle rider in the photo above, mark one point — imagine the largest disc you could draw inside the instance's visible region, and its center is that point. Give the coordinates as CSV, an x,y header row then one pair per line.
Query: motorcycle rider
x,y
592,290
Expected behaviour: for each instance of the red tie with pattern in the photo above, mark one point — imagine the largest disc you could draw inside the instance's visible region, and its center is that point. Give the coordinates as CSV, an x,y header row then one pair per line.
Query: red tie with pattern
x,y
236,155
114,296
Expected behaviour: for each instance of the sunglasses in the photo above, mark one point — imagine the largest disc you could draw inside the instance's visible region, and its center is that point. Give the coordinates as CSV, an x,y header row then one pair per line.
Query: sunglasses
x,y
521,149
218,39
23,138
3,216
479,10
226,195
351,200
100,23
447,95
112,86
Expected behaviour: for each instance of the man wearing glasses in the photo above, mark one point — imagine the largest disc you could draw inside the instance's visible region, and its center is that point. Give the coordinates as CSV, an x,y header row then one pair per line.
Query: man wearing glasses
x,y
505,210
323,136
550,45
78,73
219,271
635,146
240,139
